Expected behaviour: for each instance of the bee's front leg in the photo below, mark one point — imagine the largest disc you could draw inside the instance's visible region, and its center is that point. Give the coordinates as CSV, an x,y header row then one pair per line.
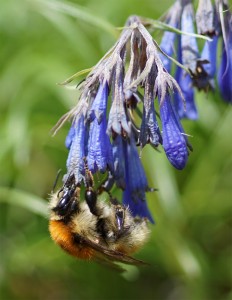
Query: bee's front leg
x,y
67,200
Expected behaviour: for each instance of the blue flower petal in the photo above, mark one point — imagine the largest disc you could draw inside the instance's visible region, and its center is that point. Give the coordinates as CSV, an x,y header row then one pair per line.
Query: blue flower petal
x,y
149,130
99,147
99,105
225,72
69,137
174,141
117,121
184,80
209,53
205,17
137,208
189,47
119,163
185,83
136,182
75,163
100,154
167,44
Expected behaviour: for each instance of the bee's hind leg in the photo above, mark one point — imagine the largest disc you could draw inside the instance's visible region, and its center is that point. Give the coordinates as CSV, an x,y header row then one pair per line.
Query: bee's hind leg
x,y
90,193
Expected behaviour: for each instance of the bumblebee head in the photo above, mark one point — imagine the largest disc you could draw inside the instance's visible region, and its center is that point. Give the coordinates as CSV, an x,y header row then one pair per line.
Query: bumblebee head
x,y
64,203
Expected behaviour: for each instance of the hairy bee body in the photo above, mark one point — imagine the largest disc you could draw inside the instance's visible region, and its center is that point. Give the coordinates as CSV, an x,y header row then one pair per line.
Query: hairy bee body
x,y
110,234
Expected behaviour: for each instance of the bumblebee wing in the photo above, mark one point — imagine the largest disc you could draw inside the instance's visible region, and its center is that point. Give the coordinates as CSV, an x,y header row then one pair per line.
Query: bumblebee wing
x,y
107,255
116,256
106,262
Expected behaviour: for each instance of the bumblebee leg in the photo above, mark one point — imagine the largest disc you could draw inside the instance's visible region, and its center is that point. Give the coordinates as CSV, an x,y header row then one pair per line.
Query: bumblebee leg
x,y
119,214
90,194
119,217
118,208
68,197
91,199
89,183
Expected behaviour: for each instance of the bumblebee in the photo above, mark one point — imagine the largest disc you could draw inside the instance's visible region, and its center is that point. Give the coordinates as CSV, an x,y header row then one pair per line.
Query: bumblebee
x,y
96,230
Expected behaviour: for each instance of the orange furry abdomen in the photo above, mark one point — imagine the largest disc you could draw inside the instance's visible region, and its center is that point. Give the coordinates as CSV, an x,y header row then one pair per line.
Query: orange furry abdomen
x,y
61,235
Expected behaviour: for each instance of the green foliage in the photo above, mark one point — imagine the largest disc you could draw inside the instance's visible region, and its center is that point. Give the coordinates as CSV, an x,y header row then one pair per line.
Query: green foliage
x,y
190,252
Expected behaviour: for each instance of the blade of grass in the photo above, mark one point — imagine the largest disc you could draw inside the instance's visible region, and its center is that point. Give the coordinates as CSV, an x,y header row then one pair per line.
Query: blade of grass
x,y
24,199
163,26
78,12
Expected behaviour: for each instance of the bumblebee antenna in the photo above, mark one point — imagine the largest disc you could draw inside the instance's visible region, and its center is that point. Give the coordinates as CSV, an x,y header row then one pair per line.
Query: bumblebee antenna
x,y
56,180
88,175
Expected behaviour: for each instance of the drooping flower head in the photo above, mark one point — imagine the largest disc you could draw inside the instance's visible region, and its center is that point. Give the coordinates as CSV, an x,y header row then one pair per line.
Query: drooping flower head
x,y
116,111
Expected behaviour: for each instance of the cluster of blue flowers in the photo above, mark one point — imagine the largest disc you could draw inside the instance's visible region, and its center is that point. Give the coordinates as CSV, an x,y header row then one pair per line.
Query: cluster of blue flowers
x,y
214,21
129,99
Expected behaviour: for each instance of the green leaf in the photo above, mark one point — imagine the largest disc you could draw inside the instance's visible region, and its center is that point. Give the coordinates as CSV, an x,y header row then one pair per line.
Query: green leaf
x,y
75,76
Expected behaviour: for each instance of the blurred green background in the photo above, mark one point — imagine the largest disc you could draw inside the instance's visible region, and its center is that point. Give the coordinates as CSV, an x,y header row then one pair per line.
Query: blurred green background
x,y
190,251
